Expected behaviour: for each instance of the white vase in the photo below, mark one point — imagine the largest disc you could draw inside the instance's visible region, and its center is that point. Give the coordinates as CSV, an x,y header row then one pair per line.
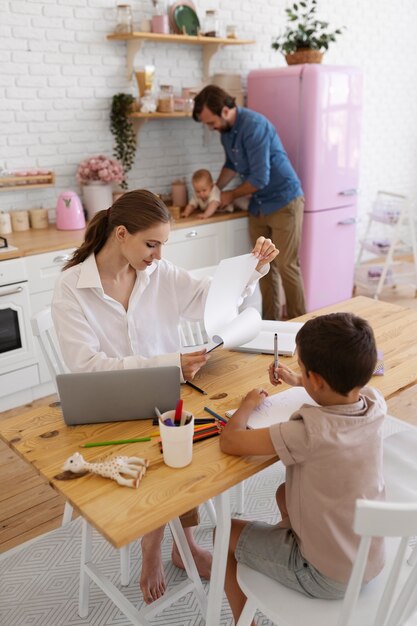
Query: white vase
x,y
96,197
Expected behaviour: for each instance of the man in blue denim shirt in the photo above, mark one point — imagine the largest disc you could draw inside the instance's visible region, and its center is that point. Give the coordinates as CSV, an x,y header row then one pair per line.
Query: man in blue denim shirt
x,y
255,152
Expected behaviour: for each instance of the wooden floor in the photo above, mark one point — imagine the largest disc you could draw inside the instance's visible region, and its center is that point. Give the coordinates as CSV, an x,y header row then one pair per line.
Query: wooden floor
x,y
30,507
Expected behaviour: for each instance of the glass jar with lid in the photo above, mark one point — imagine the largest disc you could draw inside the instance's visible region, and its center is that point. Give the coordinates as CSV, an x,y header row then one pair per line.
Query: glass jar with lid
x,y
166,99
211,24
124,19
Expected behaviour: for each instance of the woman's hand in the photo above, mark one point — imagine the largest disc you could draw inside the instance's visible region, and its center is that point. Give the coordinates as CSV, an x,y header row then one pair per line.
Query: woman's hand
x,y
265,251
283,374
192,362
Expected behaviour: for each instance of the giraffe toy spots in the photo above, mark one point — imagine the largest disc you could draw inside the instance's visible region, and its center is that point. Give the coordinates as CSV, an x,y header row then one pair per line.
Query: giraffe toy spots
x,y
127,471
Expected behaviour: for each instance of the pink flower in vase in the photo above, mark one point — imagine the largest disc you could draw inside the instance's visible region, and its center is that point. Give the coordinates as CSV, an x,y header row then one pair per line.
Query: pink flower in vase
x,y
100,168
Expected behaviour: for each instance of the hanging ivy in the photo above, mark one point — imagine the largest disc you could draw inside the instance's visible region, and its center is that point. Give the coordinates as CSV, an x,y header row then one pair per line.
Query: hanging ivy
x,y
123,131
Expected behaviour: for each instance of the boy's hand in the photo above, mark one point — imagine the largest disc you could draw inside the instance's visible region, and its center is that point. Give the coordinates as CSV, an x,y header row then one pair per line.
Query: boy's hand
x,y
254,398
283,374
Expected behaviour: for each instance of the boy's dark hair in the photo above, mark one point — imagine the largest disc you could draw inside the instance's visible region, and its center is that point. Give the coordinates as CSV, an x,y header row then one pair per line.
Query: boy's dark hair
x,y
340,347
214,98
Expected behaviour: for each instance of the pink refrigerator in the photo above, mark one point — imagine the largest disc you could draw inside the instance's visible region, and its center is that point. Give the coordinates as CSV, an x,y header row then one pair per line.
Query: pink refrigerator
x,y
316,110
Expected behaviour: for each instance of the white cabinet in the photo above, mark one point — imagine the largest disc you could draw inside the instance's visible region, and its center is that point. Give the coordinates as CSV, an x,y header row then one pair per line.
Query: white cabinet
x,y
42,271
207,244
237,237
196,246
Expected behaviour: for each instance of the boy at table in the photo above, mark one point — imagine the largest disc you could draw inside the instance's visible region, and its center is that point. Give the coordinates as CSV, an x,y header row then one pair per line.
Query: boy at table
x,y
333,456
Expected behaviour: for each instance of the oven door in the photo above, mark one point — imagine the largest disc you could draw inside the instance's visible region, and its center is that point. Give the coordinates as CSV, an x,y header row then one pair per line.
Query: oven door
x,y
16,340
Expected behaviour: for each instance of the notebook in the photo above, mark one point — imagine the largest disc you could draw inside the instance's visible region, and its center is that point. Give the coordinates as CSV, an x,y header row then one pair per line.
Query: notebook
x,y
277,407
117,395
264,341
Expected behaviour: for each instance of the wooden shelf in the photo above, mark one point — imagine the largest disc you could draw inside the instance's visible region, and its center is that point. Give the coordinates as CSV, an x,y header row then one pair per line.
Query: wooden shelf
x,y
10,183
159,116
210,45
139,119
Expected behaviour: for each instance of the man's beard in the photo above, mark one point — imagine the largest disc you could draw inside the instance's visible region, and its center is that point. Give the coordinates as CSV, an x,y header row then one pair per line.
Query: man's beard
x,y
226,128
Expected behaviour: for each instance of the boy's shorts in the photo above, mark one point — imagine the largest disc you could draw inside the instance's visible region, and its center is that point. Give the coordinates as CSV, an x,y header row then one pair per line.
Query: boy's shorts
x,y
274,551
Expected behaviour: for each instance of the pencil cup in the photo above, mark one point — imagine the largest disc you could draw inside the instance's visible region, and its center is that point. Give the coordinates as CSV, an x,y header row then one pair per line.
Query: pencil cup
x,y
177,441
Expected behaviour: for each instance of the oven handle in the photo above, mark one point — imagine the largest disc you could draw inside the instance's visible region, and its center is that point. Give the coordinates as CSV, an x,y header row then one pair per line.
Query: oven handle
x,y
11,291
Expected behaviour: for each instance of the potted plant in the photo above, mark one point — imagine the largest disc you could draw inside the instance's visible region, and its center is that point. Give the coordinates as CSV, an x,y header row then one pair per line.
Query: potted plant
x,y
305,37
97,174
123,131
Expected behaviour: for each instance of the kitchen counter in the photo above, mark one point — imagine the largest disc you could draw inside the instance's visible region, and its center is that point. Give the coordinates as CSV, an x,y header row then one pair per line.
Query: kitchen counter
x,y
49,239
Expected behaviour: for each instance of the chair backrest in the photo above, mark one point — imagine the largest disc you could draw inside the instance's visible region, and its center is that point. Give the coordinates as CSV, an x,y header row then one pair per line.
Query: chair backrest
x,y
193,333
384,519
43,329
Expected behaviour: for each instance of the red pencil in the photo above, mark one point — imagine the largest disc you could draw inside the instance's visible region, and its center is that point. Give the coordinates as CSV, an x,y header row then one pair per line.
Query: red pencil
x,y
178,412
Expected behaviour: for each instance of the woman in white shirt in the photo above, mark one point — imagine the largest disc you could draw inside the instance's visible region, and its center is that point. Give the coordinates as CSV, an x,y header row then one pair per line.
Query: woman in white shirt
x,y
117,305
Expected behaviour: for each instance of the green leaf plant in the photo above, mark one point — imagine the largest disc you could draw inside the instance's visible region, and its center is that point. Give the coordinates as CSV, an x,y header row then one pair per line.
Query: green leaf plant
x,y
304,29
123,132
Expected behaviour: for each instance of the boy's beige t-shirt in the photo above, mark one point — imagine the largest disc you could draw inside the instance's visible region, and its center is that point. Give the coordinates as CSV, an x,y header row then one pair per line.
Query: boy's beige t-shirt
x,y
333,457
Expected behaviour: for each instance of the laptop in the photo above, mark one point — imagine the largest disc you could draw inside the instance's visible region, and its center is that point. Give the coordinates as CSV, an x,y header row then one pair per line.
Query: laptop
x,y
118,395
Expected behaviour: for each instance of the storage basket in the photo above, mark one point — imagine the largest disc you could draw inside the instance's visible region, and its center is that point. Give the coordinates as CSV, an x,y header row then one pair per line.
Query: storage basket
x,y
304,55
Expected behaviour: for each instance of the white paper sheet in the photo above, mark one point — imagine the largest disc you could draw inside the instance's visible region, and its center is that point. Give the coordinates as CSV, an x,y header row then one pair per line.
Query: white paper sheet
x,y
264,341
278,407
222,320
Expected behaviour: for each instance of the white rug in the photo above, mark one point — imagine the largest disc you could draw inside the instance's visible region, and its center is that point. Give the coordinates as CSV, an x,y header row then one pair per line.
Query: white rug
x,y
39,580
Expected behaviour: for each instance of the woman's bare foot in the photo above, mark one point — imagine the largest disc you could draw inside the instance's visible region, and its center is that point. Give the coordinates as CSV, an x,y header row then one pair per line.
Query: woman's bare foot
x,y
152,578
202,558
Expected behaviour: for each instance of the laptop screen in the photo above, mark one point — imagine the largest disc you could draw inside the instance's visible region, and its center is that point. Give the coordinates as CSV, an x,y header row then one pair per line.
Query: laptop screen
x,y
118,395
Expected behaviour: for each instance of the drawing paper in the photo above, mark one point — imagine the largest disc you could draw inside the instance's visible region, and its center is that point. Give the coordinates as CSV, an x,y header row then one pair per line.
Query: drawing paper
x,y
222,320
277,407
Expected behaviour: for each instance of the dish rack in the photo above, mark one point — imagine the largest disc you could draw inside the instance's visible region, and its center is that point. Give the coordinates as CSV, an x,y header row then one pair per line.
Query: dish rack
x,y
394,213
23,180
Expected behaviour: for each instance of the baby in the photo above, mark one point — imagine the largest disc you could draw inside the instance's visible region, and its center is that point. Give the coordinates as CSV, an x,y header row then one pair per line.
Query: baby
x,y
206,196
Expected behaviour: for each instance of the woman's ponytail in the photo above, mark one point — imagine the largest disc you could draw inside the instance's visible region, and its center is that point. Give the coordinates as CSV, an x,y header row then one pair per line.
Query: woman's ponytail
x,y
95,238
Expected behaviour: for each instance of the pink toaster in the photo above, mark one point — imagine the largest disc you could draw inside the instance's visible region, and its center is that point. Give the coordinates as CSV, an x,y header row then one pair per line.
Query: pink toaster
x,y
69,212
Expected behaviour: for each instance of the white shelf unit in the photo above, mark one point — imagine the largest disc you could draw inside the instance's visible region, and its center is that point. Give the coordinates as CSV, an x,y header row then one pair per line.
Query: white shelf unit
x,y
394,213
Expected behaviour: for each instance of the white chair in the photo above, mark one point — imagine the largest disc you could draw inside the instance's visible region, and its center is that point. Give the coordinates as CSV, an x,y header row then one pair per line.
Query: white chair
x,y
388,600
43,330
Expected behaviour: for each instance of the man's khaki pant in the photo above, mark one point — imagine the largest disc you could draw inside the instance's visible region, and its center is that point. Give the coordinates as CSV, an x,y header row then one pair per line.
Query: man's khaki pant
x,y
283,227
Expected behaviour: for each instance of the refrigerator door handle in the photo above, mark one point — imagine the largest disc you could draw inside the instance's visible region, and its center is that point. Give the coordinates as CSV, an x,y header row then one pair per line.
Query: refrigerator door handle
x,y
347,222
348,192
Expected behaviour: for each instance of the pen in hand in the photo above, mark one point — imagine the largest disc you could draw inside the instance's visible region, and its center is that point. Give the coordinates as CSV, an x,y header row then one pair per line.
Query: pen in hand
x,y
276,360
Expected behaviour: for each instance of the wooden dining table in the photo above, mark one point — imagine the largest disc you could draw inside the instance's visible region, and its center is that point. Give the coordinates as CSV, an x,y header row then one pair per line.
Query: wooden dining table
x,y
122,514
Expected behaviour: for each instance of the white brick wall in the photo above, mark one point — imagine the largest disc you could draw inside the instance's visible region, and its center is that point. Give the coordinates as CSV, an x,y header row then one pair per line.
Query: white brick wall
x,y
58,74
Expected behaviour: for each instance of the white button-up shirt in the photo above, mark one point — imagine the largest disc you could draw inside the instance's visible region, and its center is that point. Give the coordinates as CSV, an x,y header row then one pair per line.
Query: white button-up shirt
x,y
95,332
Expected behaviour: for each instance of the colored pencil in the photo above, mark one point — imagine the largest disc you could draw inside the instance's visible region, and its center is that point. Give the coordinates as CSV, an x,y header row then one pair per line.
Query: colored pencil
x,y
114,443
197,421
156,433
178,412
216,415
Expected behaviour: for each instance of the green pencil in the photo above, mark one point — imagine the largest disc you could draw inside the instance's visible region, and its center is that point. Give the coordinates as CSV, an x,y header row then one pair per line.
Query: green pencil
x,y
114,443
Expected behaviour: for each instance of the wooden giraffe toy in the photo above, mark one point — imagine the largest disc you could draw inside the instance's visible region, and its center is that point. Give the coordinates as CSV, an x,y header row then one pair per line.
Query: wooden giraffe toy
x,y
115,468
